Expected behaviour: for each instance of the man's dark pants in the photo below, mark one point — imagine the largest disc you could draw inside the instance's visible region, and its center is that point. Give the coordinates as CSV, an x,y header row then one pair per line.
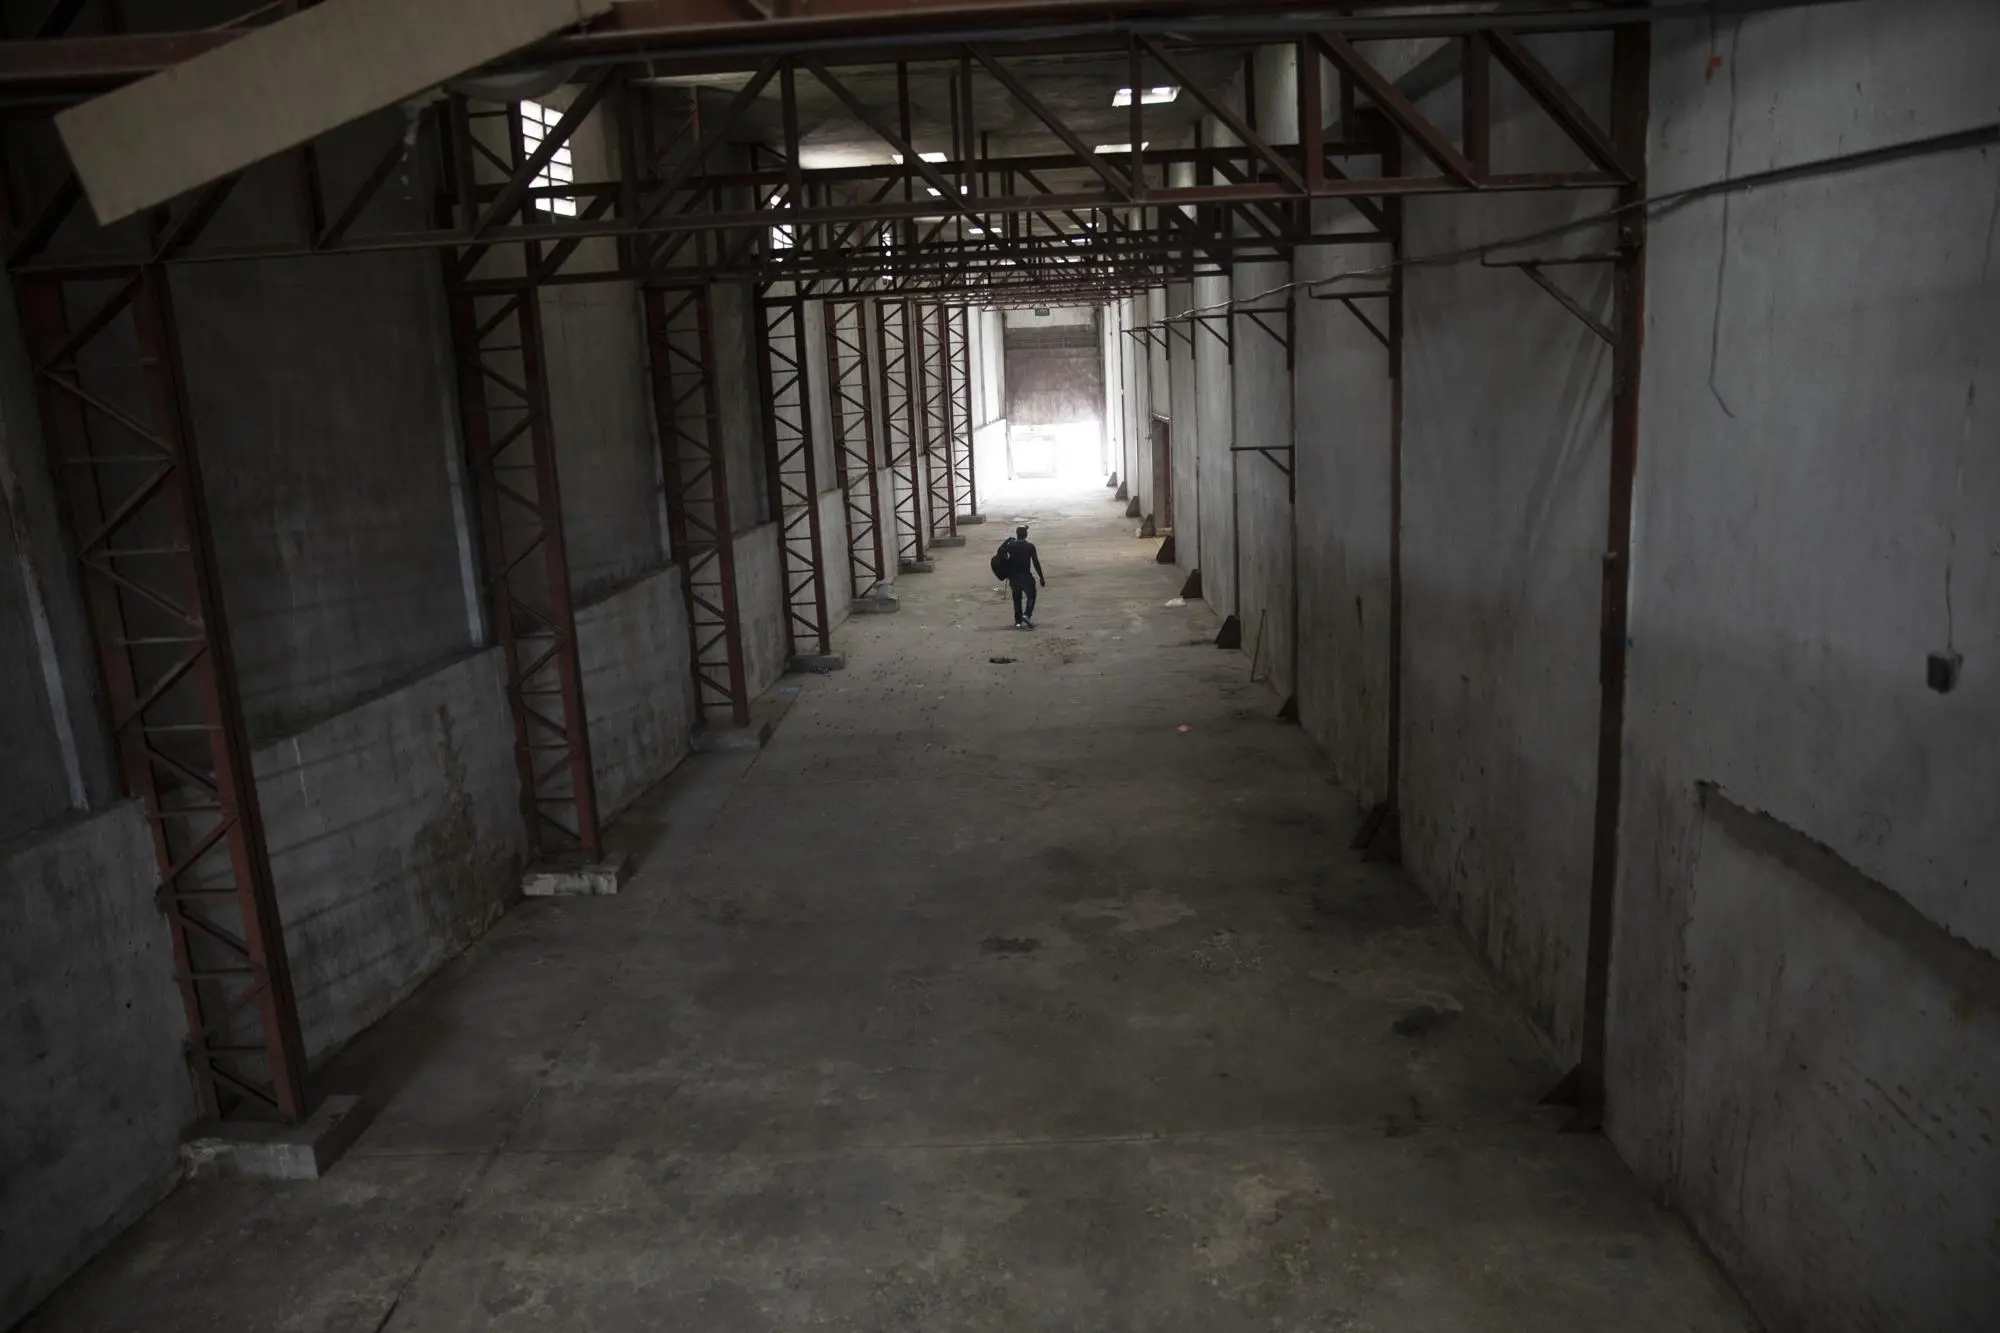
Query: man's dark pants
x,y
1024,596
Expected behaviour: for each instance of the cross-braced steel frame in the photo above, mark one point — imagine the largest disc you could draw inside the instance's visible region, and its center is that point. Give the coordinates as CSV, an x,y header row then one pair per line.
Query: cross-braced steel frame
x,y
510,456
958,394
896,324
108,373
680,336
792,466
940,435
851,391
1071,226
510,453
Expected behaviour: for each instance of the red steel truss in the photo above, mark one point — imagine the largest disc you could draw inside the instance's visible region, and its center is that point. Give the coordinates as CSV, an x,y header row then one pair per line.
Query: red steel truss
x,y
852,394
109,378
940,436
958,385
793,465
510,456
680,339
902,435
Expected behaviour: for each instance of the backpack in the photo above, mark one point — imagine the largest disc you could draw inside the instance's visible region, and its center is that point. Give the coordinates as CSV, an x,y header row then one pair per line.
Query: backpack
x,y
1003,568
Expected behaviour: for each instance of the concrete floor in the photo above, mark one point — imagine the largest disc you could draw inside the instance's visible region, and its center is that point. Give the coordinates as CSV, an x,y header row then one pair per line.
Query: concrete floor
x,y
1041,994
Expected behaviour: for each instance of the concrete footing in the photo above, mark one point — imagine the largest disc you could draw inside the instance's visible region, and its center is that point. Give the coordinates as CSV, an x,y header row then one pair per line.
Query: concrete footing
x,y
971,520
806,664
880,601
1191,590
924,566
1123,492
1148,528
732,740
1132,507
590,879
1231,634
1112,483
1167,554
260,1151
947,543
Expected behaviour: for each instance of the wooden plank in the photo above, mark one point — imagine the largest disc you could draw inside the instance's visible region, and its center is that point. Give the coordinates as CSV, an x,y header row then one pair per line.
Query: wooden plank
x,y
280,86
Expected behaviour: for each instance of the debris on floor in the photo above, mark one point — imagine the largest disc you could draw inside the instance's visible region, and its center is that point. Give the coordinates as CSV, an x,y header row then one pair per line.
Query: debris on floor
x,y
1002,661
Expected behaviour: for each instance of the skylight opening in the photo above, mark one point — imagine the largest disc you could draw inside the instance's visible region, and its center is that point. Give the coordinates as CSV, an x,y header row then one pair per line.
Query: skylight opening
x,y
538,122
1154,96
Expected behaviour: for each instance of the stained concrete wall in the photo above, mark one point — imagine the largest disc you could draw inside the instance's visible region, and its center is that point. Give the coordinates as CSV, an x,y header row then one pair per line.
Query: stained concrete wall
x,y
1215,480
1187,431
322,400
1054,378
1805,1028
1805,989
606,444
638,690
396,838
1343,466
322,397
1261,402
1505,445
96,1091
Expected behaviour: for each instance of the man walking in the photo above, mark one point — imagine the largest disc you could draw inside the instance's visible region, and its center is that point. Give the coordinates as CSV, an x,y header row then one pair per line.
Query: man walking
x,y
1024,566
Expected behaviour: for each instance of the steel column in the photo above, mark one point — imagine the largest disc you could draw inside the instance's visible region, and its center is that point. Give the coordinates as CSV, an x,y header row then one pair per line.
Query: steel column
x,y
852,393
1630,102
510,455
794,469
115,409
940,438
958,369
895,327
680,340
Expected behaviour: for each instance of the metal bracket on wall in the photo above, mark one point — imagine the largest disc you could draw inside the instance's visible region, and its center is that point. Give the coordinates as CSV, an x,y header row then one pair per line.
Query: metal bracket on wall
x,y
1533,269
1283,335
1208,324
1348,299
1270,452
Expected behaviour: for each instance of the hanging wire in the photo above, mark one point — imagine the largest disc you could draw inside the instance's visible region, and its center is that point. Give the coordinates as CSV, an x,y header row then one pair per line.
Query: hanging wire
x,y
1657,205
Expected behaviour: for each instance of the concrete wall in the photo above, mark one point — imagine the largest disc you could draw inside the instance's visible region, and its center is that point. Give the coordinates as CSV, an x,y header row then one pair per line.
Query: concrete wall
x,y
1054,377
1805,1028
396,837
605,433
323,406
1187,430
1505,440
1215,427
96,1091
638,690
1261,403
1342,461
322,397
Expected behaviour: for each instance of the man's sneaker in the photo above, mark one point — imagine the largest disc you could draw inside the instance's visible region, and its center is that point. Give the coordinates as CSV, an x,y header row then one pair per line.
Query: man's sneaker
x,y
1027,624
